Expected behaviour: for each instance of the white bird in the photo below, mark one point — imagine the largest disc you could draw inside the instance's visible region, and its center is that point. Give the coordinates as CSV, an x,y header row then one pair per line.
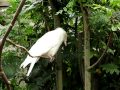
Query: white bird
x,y
47,46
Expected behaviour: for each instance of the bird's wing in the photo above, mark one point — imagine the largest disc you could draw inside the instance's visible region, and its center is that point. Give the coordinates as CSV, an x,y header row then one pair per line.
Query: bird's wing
x,y
44,44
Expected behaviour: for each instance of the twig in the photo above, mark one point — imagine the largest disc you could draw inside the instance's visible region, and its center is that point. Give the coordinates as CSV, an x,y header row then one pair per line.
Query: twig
x,y
93,65
19,46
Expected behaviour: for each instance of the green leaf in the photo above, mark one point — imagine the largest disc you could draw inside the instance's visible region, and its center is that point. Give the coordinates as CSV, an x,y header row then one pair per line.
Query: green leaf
x,y
104,1
115,3
59,12
115,27
111,51
93,53
111,68
65,9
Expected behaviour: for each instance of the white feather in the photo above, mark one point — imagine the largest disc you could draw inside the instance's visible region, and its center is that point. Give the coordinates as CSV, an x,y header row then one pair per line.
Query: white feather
x,y
47,46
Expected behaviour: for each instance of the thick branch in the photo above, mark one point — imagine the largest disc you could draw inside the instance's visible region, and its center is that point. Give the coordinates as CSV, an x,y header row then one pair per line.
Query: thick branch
x,y
104,52
6,81
2,42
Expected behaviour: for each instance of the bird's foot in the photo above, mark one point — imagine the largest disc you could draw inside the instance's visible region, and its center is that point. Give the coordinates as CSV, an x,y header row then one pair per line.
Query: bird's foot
x,y
52,58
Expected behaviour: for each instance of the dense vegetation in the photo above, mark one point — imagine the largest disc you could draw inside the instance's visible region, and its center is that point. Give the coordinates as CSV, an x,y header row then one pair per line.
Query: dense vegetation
x,y
102,17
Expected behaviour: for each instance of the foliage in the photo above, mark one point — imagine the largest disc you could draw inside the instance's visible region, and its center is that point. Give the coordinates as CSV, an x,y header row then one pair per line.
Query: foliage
x,y
111,68
104,18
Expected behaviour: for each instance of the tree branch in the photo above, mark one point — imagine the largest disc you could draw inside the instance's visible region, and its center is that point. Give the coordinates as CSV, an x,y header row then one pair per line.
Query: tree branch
x,y
104,52
19,46
2,42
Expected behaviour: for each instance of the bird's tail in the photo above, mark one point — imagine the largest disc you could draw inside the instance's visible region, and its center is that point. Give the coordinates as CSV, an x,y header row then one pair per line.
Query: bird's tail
x,y
31,61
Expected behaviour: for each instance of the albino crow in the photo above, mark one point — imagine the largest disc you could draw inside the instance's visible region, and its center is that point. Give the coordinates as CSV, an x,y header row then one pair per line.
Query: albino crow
x,y
47,46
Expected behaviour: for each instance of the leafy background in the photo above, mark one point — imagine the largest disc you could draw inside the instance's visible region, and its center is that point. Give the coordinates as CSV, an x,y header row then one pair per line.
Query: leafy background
x,y
31,25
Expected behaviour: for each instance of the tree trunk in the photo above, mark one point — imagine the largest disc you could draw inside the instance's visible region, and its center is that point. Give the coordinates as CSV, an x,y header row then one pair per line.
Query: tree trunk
x,y
79,51
80,56
59,78
86,52
59,84
87,79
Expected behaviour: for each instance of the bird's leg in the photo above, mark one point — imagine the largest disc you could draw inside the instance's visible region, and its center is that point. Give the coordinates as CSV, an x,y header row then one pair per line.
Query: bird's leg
x,y
51,58
65,42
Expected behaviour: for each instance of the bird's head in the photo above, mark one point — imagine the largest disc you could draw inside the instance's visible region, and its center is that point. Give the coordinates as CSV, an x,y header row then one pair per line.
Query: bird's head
x,y
61,30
